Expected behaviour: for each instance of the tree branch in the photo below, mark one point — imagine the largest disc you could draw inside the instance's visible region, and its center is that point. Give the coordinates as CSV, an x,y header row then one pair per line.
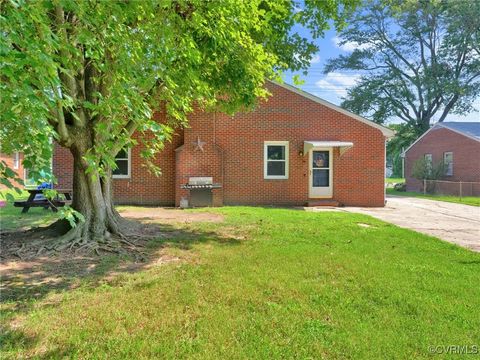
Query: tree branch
x,y
449,107
400,106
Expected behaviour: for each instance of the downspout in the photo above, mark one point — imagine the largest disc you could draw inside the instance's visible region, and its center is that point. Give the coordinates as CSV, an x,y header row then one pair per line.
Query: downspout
x,y
222,163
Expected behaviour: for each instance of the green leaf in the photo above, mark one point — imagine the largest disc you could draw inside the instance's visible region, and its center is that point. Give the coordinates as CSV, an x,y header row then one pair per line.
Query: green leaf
x,y
9,197
137,59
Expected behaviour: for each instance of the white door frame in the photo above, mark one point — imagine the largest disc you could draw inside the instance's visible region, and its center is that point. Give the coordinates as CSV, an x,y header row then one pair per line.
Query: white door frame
x,y
320,192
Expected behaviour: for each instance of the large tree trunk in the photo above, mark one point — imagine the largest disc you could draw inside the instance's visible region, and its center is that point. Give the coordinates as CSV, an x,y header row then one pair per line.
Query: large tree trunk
x,y
92,197
423,125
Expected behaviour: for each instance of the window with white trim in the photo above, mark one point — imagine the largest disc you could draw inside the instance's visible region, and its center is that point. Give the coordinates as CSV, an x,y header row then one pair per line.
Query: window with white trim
x,y
16,160
275,160
448,162
123,161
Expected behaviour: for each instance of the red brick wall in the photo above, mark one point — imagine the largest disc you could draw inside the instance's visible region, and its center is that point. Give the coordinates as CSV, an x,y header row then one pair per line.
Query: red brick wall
x,y
8,159
358,174
145,188
466,166
191,161
62,164
142,187
234,152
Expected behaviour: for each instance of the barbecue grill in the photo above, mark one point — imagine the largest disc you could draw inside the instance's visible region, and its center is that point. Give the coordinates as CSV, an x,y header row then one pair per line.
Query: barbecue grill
x,y
201,190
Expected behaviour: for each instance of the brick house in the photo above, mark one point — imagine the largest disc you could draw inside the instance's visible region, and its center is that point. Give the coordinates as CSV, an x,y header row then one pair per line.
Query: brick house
x,y
457,145
294,148
14,162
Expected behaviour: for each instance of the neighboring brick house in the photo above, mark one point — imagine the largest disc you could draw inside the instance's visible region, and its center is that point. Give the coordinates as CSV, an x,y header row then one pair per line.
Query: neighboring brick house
x,y
14,162
292,149
457,144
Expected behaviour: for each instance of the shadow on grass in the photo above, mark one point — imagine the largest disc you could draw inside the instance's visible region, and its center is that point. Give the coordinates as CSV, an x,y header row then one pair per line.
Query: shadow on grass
x,y
34,278
12,340
25,282
471,262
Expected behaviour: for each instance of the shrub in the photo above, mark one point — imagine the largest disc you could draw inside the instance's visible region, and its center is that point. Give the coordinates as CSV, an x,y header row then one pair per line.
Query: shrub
x,y
427,170
423,169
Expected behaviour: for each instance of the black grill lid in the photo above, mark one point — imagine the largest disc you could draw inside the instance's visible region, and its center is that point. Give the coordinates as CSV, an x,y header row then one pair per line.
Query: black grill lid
x,y
203,186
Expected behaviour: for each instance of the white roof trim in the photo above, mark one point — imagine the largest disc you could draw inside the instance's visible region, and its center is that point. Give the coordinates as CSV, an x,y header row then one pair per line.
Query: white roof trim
x,y
385,131
436,126
343,145
421,136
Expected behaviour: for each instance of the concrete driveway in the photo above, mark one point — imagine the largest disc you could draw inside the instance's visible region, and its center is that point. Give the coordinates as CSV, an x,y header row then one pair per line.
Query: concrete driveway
x,y
455,223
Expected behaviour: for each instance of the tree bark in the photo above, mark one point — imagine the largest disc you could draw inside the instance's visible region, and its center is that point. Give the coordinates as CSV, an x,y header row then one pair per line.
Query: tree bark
x,y
423,124
92,197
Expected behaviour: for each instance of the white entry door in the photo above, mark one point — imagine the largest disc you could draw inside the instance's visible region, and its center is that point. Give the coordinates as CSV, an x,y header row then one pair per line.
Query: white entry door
x,y
321,171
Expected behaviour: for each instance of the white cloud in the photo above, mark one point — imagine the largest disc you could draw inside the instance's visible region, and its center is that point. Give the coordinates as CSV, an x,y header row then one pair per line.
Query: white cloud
x,y
315,59
343,79
349,46
337,82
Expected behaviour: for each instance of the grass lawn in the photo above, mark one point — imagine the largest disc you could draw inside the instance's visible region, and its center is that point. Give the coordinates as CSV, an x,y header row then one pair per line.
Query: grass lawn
x,y
12,217
466,200
394,180
266,284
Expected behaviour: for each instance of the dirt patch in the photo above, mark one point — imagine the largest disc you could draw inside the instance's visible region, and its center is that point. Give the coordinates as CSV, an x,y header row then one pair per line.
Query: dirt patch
x,y
169,215
41,242
33,279
140,226
30,270
364,225
32,275
24,280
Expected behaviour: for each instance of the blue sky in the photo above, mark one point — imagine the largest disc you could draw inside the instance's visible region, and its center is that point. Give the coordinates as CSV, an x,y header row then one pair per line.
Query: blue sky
x,y
332,87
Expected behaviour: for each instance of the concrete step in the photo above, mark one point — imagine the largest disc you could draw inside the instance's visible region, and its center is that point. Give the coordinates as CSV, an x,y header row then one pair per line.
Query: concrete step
x,y
323,202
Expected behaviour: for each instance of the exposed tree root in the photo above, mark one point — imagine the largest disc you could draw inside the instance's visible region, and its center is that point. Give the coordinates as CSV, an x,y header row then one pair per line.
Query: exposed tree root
x,y
128,238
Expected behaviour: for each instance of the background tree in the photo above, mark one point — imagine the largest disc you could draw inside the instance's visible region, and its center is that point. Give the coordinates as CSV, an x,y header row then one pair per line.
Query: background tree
x,y
419,60
89,74
405,135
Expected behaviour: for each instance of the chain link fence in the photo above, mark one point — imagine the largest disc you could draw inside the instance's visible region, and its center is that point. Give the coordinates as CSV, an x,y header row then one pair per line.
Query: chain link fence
x,y
454,188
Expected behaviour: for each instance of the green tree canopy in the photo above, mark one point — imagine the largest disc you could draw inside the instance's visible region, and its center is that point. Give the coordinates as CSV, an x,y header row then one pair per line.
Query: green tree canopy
x,y
89,74
419,60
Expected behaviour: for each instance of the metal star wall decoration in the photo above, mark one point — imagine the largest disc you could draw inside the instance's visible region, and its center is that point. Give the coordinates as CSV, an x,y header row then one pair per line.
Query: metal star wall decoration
x,y
199,144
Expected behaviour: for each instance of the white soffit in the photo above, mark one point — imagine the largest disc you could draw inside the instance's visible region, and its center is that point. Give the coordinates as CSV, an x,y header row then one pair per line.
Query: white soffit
x,y
343,145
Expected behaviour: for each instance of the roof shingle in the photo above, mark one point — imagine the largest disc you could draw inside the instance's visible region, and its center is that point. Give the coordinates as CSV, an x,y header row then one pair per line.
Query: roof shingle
x,y
471,129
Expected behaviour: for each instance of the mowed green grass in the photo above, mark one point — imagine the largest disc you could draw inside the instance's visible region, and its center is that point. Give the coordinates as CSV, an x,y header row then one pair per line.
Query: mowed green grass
x,y
466,200
265,284
394,180
11,218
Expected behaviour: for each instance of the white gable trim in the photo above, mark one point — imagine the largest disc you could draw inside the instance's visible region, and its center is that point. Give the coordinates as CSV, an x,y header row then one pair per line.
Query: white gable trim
x,y
385,131
420,138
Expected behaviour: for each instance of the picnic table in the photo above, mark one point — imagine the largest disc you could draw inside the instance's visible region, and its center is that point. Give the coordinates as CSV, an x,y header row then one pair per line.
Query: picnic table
x,y
44,202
